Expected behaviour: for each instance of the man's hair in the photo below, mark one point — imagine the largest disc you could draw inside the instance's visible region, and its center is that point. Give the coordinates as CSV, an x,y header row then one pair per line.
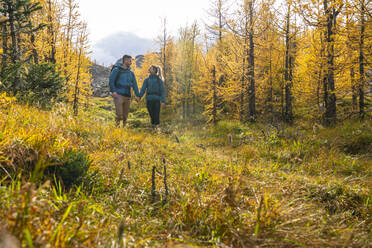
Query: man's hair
x,y
127,57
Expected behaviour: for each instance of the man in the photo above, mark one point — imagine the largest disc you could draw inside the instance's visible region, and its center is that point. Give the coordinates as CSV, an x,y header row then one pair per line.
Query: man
x,y
122,79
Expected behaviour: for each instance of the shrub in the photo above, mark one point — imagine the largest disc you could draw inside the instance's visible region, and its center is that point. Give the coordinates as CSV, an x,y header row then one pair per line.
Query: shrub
x,y
337,198
351,137
359,144
43,85
71,169
11,77
224,128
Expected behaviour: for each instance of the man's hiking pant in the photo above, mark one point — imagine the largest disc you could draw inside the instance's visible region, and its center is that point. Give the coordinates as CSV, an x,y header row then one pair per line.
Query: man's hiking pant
x,y
153,107
122,104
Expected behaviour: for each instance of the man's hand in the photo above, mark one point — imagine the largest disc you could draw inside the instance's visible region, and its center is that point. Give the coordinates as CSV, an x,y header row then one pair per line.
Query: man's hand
x,y
138,99
114,94
162,104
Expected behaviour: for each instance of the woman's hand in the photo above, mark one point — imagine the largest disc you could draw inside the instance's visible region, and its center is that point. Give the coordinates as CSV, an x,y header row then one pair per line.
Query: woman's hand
x,y
162,104
114,94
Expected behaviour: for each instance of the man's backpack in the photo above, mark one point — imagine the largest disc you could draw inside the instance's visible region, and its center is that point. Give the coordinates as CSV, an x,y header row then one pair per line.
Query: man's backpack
x,y
117,75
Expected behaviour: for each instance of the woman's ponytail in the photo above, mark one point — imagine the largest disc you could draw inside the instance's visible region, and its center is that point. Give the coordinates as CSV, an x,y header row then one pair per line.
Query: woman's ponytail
x,y
159,72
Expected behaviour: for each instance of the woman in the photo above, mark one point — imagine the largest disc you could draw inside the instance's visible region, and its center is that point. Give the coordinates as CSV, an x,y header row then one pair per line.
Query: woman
x,y
154,88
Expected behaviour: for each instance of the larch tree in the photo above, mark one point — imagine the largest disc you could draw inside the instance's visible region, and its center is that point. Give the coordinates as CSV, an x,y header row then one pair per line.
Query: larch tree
x,y
186,68
71,26
164,39
323,15
216,27
243,27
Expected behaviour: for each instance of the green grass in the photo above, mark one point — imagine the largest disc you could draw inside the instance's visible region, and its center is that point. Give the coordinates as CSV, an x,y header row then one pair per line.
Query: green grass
x,y
233,184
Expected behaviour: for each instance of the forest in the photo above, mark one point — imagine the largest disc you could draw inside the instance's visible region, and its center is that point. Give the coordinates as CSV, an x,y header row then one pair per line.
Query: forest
x,y
265,138
304,59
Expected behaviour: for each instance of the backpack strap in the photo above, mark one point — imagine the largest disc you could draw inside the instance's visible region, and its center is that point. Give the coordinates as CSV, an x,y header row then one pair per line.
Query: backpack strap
x,y
117,75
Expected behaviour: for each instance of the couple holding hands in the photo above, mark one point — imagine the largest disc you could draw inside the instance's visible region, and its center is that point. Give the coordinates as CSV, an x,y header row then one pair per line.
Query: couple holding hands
x,y
122,79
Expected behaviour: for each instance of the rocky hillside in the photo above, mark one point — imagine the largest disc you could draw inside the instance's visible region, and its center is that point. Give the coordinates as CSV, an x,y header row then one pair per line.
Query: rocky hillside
x,y
100,83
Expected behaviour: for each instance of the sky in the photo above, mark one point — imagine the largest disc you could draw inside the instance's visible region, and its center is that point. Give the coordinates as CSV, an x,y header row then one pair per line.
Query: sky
x,y
130,26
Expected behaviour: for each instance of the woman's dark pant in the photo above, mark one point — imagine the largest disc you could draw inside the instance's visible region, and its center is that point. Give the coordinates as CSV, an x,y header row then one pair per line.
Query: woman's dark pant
x,y
154,110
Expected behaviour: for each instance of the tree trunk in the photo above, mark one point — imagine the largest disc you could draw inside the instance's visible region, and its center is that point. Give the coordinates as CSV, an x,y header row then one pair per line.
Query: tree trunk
x,y
68,38
318,92
194,100
288,114
361,63
220,24
19,42
270,93
5,48
214,88
14,55
76,94
354,91
242,91
164,57
282,87
183,109
188,106
321,77
35,55
252,89
52,41
330,95
13,35
350,50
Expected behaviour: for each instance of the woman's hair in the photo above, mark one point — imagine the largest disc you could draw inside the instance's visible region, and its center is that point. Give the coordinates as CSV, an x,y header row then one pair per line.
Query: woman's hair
x,y
158,71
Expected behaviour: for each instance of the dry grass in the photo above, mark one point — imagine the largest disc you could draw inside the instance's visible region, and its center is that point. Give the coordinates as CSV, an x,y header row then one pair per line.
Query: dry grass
x,y
267,190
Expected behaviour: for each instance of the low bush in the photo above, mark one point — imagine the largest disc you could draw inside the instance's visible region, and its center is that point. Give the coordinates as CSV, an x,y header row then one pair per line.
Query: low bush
x,y
71,169
359,144
224,128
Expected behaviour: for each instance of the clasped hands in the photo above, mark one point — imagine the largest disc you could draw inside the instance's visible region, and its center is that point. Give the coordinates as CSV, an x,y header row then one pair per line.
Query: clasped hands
x,y
115,94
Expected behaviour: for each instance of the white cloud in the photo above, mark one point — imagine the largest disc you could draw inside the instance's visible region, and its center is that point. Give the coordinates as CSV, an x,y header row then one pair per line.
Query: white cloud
x,y
141,17
109,49
112,23
99,56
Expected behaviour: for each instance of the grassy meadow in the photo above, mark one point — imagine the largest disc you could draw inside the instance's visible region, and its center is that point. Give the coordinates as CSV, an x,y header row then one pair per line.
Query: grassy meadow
x,y
81,182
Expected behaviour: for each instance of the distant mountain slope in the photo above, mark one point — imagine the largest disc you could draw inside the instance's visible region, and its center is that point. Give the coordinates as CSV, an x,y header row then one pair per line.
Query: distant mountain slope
x,y
139,60
100,83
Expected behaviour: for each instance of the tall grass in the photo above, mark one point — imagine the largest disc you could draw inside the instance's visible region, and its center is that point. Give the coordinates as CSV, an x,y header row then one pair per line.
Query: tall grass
x,y
262,186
